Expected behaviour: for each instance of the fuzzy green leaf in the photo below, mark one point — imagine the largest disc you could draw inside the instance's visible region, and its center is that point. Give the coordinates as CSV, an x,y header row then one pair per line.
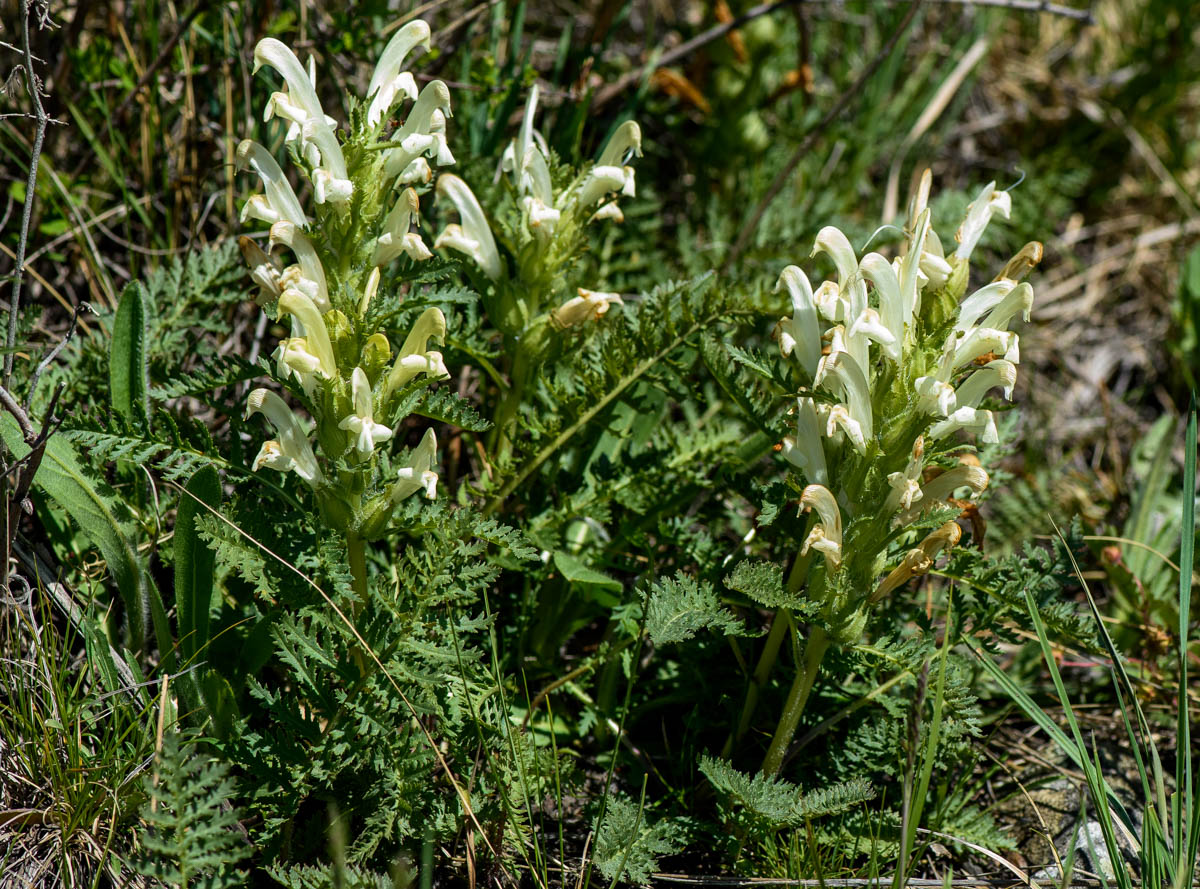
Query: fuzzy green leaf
x,y
680,607
128,379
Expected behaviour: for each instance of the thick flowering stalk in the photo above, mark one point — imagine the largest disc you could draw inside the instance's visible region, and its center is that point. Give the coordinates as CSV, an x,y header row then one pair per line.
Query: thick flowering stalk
x,y
320,273
895,362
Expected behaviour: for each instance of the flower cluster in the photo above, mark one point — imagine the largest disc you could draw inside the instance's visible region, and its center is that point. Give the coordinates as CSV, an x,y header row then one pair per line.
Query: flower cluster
x,y
366,203
551,219
897,360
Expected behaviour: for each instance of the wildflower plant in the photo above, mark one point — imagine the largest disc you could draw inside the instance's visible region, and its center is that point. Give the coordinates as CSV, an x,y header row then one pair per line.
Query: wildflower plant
x,y
358,388
895,360
541,222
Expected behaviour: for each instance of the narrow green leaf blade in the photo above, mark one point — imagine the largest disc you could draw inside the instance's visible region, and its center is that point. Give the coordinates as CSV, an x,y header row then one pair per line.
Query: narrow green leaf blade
x,y
194,563
128,379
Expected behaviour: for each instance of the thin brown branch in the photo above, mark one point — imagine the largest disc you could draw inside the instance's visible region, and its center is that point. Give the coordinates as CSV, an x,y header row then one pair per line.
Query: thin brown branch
x,y
815,133
35,97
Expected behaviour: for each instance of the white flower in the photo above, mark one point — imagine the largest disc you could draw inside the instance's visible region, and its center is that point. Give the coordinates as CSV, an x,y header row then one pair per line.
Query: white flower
x,y
800,333
264,271
292,451
826,535
303,109
473,237
589,305
361,423
388,80
279,201
314,354
805,451
610,172
840,373
418,474
423,132
307,276
979,214
415,356
396,237
524,161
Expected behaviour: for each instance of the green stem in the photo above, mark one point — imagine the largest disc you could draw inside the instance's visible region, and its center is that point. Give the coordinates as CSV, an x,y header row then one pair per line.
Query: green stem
x,y
766,662
814,652
356,547
770,652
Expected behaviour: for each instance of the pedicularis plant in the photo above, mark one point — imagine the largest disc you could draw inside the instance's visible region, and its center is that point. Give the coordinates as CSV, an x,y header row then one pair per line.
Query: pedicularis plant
x,y
367,185
896,361
373,697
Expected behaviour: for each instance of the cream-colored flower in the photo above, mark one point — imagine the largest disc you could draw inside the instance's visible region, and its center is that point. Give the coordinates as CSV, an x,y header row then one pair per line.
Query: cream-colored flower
x,y
843,376
979,213
361,423
473,237
388,81
611,172
589,305
920,560
415,357
264,271
307,276
826,535
970,419
418,474
278,201
806,451
995,373
423,133
316,344
800,333
397,238
292,450
882,274
906,485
